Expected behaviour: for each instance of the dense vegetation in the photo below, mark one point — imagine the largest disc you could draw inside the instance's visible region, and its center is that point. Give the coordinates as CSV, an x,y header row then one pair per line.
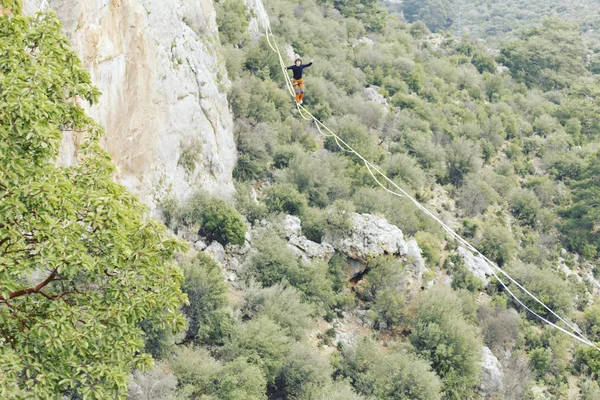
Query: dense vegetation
x,y
81,268
508,157
499,22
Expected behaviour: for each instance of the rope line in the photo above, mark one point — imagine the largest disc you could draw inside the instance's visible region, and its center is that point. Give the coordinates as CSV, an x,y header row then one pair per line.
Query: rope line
x,y
574,332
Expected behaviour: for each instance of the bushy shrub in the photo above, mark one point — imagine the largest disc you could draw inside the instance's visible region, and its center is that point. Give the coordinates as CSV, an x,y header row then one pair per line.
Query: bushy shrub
x,y
241,379
387,376
500,327
202,377
215,218
313,224
322,188
195,371
303,373
255,146
498,244
273,261
462,158
589,389
265,103
483,63
475,196
190,154
591,322
525,206
339,218
356,135
546,285
442,336
340,391
402,376
405,168
397,211
384,292
283,305
157,384
246,203
431,246
262,341
233,19
208,316
284,197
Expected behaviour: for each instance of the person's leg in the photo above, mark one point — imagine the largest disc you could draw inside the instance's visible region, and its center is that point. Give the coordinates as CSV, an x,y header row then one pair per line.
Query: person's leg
x,y
296,90
301,85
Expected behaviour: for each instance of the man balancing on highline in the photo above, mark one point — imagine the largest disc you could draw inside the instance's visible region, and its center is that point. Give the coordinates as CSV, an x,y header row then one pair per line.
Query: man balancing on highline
x,y
298,82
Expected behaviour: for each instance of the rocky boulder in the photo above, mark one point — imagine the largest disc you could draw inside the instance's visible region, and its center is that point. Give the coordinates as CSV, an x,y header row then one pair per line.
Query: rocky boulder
x,y
305,248
491,374
373,236
477,265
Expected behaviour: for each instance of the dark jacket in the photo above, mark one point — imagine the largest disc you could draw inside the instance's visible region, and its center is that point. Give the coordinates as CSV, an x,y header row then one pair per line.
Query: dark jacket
x,y
298,70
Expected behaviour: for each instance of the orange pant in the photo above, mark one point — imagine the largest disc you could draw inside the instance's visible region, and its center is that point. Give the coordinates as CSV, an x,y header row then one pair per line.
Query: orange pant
x,y
299,89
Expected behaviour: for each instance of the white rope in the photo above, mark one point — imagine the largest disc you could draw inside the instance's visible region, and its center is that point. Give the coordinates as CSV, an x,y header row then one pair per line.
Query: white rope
x,y
575,332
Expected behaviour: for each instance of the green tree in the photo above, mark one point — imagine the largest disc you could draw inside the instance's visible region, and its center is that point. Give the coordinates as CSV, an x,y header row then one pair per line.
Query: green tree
x,y
282,304
546,285
549,56
437,14
233,19
443,336
284,197
240,379
216,219
263,343
463,157
80,265
580,221
303,372
498,244
399,376
208,316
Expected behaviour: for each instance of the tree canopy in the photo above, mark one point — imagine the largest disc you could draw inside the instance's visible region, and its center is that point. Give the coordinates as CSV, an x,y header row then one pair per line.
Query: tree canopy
x,y
81,265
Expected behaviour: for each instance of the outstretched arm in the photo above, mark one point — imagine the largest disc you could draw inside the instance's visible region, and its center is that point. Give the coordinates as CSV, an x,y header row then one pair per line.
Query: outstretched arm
x,y
307,65
290,67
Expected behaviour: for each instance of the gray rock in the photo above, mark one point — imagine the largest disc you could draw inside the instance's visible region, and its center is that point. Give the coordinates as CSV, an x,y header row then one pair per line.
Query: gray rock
x,y
232,264
216,251
491,374
299,253
416,264
371,236
200,245
160,69
292,226
372,94
363,40
477,265
307,248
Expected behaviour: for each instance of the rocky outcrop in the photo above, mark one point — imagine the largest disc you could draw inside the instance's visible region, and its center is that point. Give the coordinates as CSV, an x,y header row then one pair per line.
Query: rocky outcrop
x,y
259,19
491,374
373,236
477,265
372,94
163,81
307,249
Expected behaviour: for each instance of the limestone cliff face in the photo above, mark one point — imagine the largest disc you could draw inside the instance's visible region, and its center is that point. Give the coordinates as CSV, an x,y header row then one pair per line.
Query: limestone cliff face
x,y
163,85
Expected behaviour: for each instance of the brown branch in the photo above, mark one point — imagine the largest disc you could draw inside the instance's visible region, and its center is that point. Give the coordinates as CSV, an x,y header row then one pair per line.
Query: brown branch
x,y
110,274
9,339
36,289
